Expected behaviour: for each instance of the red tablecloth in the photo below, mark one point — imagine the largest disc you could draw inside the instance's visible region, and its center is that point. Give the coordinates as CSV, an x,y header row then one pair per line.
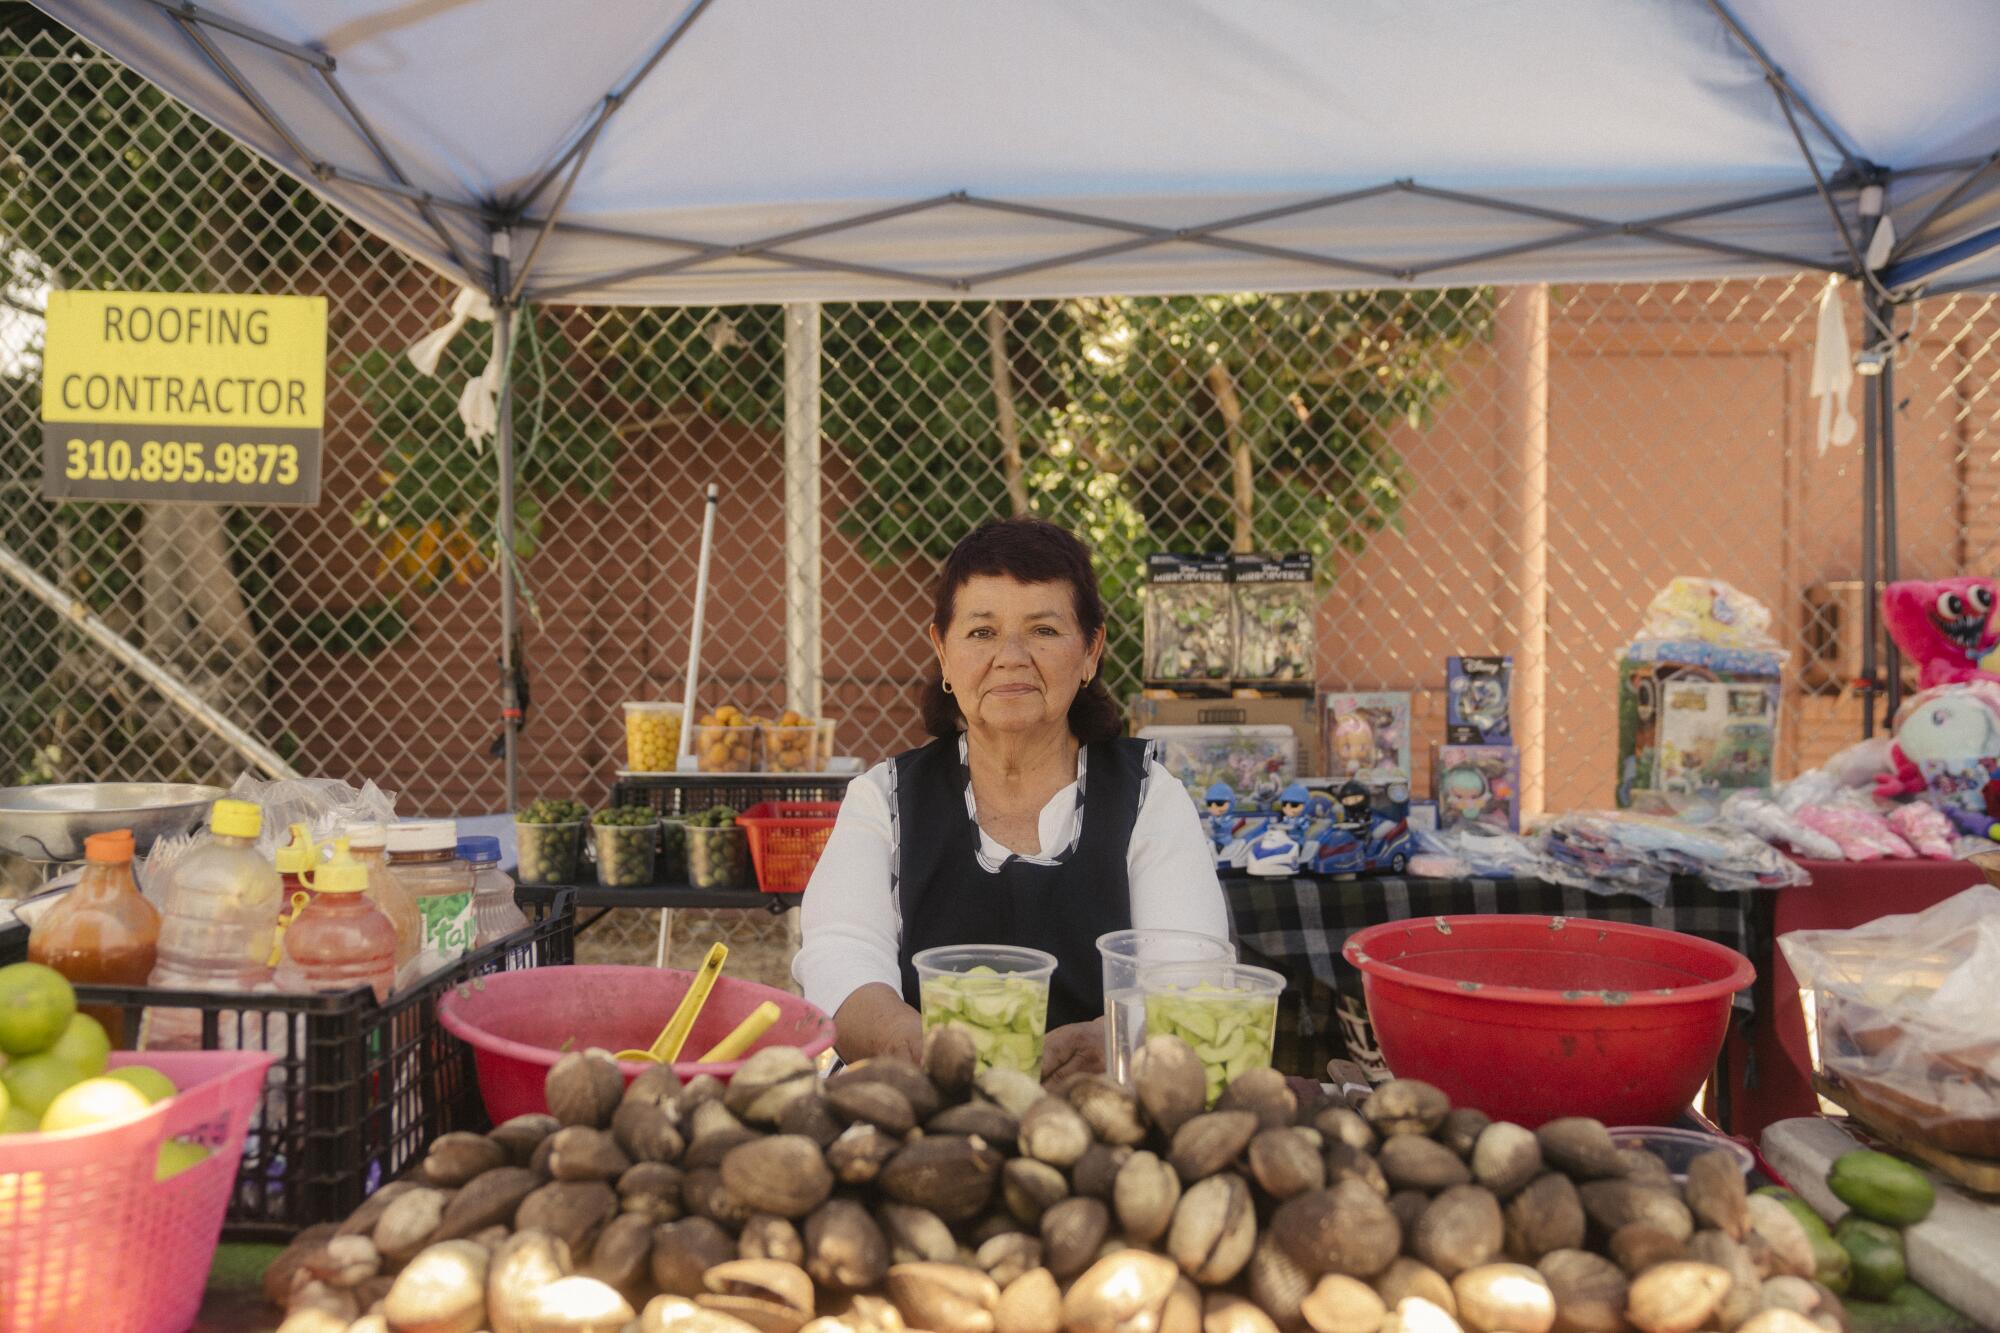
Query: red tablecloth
x,y
1843,894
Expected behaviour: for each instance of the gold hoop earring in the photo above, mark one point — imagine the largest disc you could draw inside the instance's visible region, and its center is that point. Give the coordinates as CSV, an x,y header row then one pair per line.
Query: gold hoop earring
x,y
947,686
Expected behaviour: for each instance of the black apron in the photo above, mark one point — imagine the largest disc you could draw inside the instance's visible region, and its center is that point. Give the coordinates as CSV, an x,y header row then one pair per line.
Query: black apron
x,y
947,897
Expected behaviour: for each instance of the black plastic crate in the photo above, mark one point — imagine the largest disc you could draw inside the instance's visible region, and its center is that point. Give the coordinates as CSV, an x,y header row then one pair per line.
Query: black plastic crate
x,y
359,1089
14,943
691,793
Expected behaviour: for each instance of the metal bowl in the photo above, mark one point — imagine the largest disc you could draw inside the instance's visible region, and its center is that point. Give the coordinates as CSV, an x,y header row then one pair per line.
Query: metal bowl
x,y
50,823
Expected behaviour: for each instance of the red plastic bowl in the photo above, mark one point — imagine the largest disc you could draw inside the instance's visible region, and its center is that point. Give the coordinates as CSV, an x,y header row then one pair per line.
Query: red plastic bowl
x,y
1529,1018
517,1024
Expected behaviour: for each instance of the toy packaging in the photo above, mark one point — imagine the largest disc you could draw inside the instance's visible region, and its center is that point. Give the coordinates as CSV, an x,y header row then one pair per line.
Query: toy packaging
x,y
1274,620
1190,621
1256,763
1299,714
1364,731
1477,785
1701,678
1477,693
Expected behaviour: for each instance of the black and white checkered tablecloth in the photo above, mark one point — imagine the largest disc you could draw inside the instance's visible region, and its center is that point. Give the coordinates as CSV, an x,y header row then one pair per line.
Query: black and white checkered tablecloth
x,y
1297,927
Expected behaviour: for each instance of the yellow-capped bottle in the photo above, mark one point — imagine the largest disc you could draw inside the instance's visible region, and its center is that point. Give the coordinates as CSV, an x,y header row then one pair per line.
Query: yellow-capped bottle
x,y
218,922
340,938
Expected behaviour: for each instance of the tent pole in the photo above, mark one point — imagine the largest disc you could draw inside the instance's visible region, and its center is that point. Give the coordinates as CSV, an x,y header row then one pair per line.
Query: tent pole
x,y
1885,389
1870,580
803,662
503,448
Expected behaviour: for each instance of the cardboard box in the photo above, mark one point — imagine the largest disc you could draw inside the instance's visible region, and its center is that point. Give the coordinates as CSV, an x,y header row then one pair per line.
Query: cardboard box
x,y
1300,715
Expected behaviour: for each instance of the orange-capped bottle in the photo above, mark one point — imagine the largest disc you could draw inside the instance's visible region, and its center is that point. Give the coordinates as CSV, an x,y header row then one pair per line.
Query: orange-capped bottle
x,y
102,932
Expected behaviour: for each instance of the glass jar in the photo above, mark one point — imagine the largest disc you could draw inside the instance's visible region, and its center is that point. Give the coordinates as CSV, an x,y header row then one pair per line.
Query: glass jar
x,y
423,856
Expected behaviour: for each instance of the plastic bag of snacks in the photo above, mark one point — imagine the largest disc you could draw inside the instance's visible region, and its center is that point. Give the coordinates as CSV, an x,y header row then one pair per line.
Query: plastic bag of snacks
x,y
791,744
1274,619
725,741
652,736
1190,620
548,837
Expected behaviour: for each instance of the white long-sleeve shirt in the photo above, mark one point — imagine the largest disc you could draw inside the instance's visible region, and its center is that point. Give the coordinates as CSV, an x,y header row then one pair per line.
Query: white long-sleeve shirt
x,y
852,922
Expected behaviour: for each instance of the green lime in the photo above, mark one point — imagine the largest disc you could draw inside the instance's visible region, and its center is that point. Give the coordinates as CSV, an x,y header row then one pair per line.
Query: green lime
x,y
34,1081
36,1003
176,1156
157,1086
18,1121
85,1044
93,1103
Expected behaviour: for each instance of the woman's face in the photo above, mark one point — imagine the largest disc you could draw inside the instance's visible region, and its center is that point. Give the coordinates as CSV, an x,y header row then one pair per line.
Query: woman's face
x,y
1014,654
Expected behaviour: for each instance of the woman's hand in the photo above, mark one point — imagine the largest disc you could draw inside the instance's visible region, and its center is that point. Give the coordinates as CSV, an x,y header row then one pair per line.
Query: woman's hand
x,y
875,1021
1077,1048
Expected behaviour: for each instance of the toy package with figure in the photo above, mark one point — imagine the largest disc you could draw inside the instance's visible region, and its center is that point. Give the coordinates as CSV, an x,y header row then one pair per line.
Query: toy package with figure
x,y
1190,625
1477,694
1274,619
1698,693
1367,730
1948,748
1255,762
1364,827
1477,784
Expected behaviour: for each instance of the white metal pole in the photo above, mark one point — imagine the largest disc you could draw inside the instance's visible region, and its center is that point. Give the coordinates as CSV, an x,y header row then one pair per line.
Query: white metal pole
x,y
693,680
802,509
1521,340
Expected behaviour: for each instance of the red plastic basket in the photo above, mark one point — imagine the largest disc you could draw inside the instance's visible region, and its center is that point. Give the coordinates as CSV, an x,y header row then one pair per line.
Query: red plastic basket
x,y
786,838
88,1239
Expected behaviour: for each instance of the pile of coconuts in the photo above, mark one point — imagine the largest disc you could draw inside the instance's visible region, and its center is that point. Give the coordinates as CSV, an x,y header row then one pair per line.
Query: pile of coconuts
x,y
890,1198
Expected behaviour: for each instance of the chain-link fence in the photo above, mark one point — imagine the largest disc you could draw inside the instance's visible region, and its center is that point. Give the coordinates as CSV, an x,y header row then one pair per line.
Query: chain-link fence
x,y
1475,471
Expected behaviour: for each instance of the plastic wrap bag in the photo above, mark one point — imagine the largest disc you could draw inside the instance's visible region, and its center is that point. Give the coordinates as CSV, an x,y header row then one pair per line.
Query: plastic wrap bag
x,y
323,805
1754,812
1642,853
1862,833
1471,849
1925,828
1709,611
1906,1017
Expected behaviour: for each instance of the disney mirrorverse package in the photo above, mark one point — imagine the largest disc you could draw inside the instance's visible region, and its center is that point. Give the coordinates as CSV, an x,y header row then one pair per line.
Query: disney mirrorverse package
x,y
1190,621
1274,620
1477,693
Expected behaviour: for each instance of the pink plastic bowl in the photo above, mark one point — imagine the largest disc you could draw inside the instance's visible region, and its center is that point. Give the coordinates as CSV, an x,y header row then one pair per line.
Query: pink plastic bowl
x,y
517,1024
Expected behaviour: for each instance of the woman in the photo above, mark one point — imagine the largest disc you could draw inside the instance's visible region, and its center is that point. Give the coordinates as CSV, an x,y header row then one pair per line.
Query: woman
x,y
985,836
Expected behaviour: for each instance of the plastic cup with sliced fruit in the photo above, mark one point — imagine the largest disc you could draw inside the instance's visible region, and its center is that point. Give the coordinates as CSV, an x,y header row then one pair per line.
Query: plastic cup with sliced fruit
x,y
652,737
1228,1012
791,745
548,835
725,741
998,993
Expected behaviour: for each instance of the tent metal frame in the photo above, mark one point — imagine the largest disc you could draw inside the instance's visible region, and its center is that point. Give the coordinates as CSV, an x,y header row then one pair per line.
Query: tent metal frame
x,y
507,282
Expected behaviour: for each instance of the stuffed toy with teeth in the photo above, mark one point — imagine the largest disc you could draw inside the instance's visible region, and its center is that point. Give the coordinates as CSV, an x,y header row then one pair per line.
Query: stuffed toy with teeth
x,y
1945,627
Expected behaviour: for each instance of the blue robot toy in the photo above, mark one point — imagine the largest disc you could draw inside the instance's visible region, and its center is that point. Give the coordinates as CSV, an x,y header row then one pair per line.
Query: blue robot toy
x,y
1219,807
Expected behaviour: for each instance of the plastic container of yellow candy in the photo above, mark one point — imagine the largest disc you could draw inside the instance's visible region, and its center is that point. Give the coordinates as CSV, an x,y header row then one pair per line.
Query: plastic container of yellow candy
x,y
1228,1012
998,993
652,736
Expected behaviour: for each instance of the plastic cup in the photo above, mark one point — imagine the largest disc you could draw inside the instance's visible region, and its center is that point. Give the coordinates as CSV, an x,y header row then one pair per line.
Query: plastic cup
x,y
652,736
827,726
720,749
548,853
672,866
624,854
791,749
1228,1012
997,992
1128,953
718,857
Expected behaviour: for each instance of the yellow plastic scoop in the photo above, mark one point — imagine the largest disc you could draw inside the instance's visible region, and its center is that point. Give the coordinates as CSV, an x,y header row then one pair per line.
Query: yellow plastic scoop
x,y
744,1036
666,1047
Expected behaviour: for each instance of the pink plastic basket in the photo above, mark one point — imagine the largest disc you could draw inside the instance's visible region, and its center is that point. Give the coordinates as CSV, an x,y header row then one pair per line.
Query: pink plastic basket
x,y
88,1239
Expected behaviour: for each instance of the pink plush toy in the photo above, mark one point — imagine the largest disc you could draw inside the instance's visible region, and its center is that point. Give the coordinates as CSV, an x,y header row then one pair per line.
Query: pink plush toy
x,y
1945,628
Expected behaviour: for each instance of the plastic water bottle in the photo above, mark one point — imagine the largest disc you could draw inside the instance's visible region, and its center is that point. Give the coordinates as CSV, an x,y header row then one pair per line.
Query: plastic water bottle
x,y
494,911
219,922
340,939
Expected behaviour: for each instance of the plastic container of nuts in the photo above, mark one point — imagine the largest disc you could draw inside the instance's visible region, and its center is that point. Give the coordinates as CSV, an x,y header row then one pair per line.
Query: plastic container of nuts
x,y
652,736
548,836
791,745
624,839
725,741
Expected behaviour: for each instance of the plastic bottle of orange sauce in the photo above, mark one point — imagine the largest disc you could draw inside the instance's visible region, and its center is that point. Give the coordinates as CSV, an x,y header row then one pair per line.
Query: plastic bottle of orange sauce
x,y
102,932
368,842
340,938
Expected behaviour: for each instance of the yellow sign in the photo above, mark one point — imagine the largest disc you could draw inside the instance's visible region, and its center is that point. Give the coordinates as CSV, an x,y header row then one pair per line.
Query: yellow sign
x,y
183,396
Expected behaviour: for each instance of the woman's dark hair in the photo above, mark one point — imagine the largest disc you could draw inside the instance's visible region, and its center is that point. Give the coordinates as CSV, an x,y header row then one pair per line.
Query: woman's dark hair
x,y
1027,550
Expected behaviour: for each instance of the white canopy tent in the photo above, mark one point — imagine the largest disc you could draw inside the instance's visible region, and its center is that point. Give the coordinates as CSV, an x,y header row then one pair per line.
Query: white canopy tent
x,y
719,151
